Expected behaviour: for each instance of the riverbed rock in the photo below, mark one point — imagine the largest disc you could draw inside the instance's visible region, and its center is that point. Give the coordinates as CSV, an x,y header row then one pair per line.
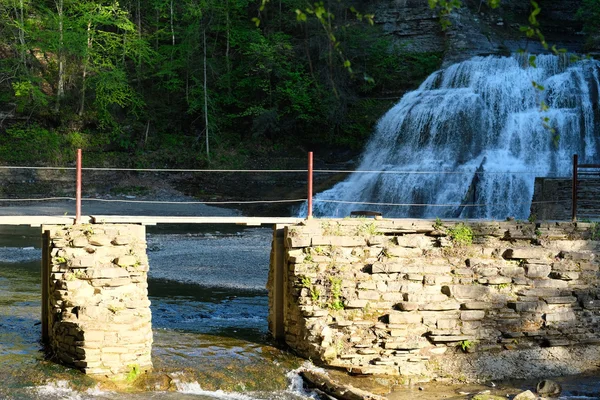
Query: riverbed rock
x,y
548,388
526,395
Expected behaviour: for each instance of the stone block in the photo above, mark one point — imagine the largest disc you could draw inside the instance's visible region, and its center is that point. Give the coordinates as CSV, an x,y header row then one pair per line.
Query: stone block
x,y
404,252
565,275
476,305
121,240
347,241
106,273
440,306
536,271
487,272
474,315
520,280
115,282
499,280
511,271
527,306
99,240
577,255
591,304
425,298
565,316
412,287
84,262
449,338
441,280
126,260
463,272
465,292
437,269
367,285
395,297
355,303
369,295
376,240
539,292
298,242
565,265
408,306
550,283
404,318
524,253
588,266
93,336
415,241
405,345
447,323
79,242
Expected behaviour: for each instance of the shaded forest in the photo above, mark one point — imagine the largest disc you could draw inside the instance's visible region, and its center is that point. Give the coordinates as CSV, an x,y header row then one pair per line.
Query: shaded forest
x,y
192,82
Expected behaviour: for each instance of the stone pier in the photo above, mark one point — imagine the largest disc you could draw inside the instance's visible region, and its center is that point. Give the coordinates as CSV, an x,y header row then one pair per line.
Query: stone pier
x,y
95,308
441,299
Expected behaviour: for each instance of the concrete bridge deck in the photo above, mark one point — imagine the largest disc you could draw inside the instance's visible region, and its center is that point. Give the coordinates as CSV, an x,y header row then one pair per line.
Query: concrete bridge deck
x,y
38,220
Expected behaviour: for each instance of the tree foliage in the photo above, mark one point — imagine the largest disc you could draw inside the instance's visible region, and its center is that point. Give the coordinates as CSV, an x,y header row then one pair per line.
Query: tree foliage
x,y
142,76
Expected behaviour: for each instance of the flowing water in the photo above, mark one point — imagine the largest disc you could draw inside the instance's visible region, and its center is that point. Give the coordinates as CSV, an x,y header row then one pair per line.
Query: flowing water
x,y
209,317
209,311
471,139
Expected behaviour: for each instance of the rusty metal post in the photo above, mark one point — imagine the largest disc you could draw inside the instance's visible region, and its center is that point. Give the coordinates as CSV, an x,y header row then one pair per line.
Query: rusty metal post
x,y
574,189
78,189
310,184
45,285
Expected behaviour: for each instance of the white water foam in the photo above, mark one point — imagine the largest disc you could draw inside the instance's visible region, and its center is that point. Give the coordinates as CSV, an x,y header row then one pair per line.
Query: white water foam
x,y
195,388
296,386
475,133
62,390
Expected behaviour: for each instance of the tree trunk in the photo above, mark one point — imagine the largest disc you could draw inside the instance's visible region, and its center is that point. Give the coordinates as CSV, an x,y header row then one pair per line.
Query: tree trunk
x,y
139,27
227,60
20,15
172,27
205,96
85,65
60,91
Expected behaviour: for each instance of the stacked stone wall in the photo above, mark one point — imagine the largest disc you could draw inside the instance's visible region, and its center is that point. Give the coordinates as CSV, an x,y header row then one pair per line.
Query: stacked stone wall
x,y
552,199
408,297
98,310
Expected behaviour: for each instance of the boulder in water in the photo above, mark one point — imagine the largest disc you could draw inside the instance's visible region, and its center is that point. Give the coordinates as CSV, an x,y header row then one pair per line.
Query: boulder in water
x,y
526,395
548,388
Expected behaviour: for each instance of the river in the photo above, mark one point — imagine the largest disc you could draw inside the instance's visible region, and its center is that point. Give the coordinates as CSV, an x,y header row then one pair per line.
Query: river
x,y
209,313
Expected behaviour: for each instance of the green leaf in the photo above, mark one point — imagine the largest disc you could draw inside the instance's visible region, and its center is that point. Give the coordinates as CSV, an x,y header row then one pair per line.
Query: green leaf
x,y
532,61
300,16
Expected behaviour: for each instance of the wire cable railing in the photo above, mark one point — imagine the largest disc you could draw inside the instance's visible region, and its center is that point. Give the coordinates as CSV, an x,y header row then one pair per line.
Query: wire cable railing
x,y
309,199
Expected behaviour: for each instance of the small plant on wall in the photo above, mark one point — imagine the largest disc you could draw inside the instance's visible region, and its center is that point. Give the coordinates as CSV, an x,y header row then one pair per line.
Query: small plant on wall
x,y
461,235
335,302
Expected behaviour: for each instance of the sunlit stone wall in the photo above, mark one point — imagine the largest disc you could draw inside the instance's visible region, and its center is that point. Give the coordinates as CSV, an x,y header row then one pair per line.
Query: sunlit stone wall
x,y
418,298
97,305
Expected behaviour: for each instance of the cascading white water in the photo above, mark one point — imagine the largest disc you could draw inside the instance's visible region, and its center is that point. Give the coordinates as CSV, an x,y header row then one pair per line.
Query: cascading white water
x,y
475,133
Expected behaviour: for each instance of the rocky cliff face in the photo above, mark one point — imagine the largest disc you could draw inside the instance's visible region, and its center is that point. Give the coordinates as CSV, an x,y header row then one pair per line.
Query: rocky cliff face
x,y
476,29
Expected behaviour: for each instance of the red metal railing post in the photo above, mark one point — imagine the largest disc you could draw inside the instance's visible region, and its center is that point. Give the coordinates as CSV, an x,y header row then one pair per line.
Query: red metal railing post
x,y
78,189
310,184
574,189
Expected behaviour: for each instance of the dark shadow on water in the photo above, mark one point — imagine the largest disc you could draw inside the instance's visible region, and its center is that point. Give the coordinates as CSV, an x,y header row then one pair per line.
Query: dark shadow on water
x,y
217,311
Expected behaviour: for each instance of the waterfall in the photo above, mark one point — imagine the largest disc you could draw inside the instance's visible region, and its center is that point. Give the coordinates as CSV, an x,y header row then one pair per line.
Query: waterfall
x,y
469,142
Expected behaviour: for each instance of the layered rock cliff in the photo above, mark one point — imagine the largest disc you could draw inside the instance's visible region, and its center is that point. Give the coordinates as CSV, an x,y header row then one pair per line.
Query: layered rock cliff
x,y
477,29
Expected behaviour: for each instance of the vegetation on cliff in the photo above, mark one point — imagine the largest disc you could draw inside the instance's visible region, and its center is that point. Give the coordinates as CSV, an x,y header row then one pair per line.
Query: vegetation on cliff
x,y
163,82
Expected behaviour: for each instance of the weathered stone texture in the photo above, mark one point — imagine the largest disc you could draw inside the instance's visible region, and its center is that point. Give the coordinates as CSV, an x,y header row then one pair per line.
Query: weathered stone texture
x,y
98,309
391,298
